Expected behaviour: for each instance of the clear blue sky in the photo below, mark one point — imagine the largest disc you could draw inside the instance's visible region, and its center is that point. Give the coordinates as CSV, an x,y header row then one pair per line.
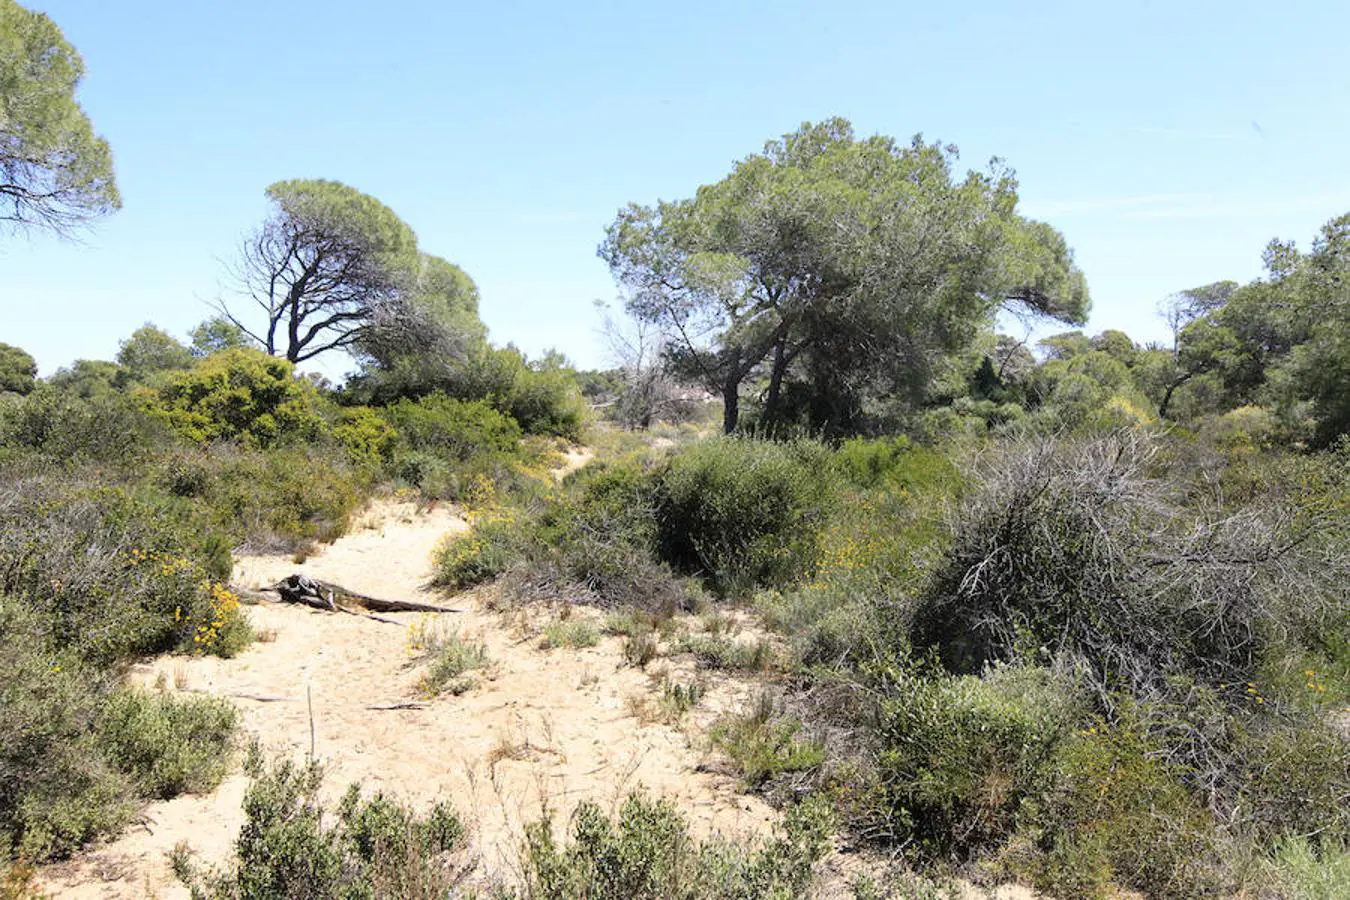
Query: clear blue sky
x,y
1169,141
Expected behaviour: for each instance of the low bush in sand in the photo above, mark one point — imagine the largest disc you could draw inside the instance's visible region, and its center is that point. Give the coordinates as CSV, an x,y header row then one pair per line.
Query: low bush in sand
x,y
570,633
80,753
451,657
734,514
743,513
765,744
170,745
106,577
374,847
645,852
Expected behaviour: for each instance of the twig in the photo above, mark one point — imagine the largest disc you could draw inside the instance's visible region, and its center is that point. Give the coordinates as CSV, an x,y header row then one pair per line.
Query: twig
x,y
410,704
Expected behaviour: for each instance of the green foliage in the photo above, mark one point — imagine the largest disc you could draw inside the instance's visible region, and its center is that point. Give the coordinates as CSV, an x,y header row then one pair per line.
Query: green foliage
x,y
260,498
646,852
56,791
721,652
104,576
150,350
765,745
1303,870
570,632
78,752
88,378
18,370
376,848
54,171
598,536
107,429
452,429
168,745
825,244
451,656
216,334
366,435
242,395
744,513
1119,817
959,756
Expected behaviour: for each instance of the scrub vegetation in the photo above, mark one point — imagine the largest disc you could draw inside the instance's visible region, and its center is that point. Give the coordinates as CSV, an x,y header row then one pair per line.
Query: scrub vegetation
x,y
1074,614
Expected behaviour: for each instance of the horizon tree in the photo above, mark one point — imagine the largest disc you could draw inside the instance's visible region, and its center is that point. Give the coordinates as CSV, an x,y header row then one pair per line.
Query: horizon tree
x,y
856,260
326,266
55,172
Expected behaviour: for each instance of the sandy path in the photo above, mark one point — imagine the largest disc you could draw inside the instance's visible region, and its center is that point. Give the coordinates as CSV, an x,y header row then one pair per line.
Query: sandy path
x,y
542,726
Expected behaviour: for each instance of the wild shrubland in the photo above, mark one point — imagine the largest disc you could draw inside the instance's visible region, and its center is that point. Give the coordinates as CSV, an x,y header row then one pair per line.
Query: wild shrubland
x,y
1103,659
1078,618
126,487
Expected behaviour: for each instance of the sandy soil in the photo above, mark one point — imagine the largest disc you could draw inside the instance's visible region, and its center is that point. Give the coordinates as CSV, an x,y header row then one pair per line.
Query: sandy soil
x,y
542,727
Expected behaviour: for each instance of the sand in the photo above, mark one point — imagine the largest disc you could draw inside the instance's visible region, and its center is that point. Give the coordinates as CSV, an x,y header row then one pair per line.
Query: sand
x,y
541,728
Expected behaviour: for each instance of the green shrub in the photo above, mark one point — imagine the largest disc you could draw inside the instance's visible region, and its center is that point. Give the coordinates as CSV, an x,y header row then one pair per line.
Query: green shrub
x,y
451,656
743,513
166,744
366,435
453,429
1303,870
376,848
646,853
1294,776
56,790
239,394
108,429
105,577
765,745
593,541
959,756
78,752
570,632
1118,817
500,538
721,652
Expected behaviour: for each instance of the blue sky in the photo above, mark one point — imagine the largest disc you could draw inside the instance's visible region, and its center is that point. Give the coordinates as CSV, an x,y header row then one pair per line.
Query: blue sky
x,y
1169,141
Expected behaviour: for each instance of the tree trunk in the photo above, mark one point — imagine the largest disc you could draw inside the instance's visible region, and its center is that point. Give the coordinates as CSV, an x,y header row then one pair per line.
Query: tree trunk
x,y
780,364
731,405
1167,397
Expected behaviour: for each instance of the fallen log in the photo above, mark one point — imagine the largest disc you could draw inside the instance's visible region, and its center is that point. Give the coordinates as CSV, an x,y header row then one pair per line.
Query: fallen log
x,y
300,588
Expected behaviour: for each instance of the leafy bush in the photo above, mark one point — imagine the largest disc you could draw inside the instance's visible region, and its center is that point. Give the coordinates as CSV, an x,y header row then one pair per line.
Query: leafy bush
x,y
450,656
570,632
719,652
108,429
366,435
376,848
765,745
646,853
1303,870
453,429
168,745
1117,816
105,577
56,790
78,752
593,540
744,513
238,394
959,756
